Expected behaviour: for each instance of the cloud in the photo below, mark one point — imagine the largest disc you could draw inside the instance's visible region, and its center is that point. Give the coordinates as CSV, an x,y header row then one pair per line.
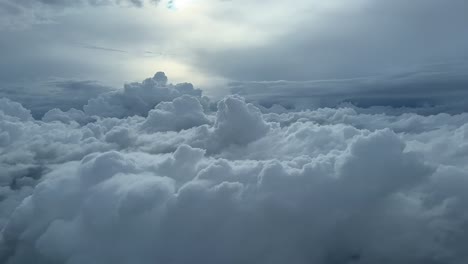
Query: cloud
x,y
104,48
358,156
238,122
428,90
22,14
14,109
230,184
40,97
69,116
183,112
313,40
138,98
64,3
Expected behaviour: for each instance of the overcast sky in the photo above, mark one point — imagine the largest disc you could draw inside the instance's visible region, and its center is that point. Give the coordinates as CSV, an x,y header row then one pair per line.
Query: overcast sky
x,y
205,41
396,53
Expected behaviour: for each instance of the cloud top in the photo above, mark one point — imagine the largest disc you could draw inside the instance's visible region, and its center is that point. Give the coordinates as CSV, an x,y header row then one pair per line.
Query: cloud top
x,y
193,181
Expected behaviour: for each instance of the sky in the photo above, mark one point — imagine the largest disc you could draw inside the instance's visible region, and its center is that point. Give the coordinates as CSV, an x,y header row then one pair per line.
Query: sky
x,y
213,43
233,131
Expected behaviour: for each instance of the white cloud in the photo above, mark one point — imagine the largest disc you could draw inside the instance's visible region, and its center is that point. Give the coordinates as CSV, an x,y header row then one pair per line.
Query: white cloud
x,y
184,184
67,116
182,113
238,122
138,98
9,108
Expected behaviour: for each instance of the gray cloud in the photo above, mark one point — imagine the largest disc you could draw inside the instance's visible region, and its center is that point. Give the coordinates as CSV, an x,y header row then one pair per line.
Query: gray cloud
x,y
62,94
103,48
427,90
24,13
64,3
373,38
138,98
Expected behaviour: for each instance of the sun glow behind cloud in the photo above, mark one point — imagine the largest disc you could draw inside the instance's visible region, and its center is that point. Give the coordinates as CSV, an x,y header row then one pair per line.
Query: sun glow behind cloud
x,y
179,4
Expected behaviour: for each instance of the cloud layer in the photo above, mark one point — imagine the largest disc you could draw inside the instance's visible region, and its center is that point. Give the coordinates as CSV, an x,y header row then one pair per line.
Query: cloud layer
x,y
156,173
427,90
23,13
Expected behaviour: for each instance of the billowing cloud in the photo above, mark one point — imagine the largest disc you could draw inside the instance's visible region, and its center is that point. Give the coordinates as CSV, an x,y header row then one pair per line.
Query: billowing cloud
x,y
183,112
13,109
190,183
138,98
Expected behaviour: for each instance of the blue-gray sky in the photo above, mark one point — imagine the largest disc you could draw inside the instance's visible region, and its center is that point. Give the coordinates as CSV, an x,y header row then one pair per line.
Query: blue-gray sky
x,y
211,42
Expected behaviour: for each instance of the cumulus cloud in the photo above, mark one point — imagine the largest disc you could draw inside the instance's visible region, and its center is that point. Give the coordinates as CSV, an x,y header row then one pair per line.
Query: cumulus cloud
x,y
238,122
66,116
14,109
186,183
182,113
138,98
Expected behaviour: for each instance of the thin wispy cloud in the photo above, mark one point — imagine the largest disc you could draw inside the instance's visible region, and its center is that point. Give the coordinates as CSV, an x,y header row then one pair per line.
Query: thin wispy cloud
x,y
103,48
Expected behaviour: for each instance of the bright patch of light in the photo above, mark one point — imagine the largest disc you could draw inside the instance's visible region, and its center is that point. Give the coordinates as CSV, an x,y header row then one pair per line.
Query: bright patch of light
x,y
179,4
